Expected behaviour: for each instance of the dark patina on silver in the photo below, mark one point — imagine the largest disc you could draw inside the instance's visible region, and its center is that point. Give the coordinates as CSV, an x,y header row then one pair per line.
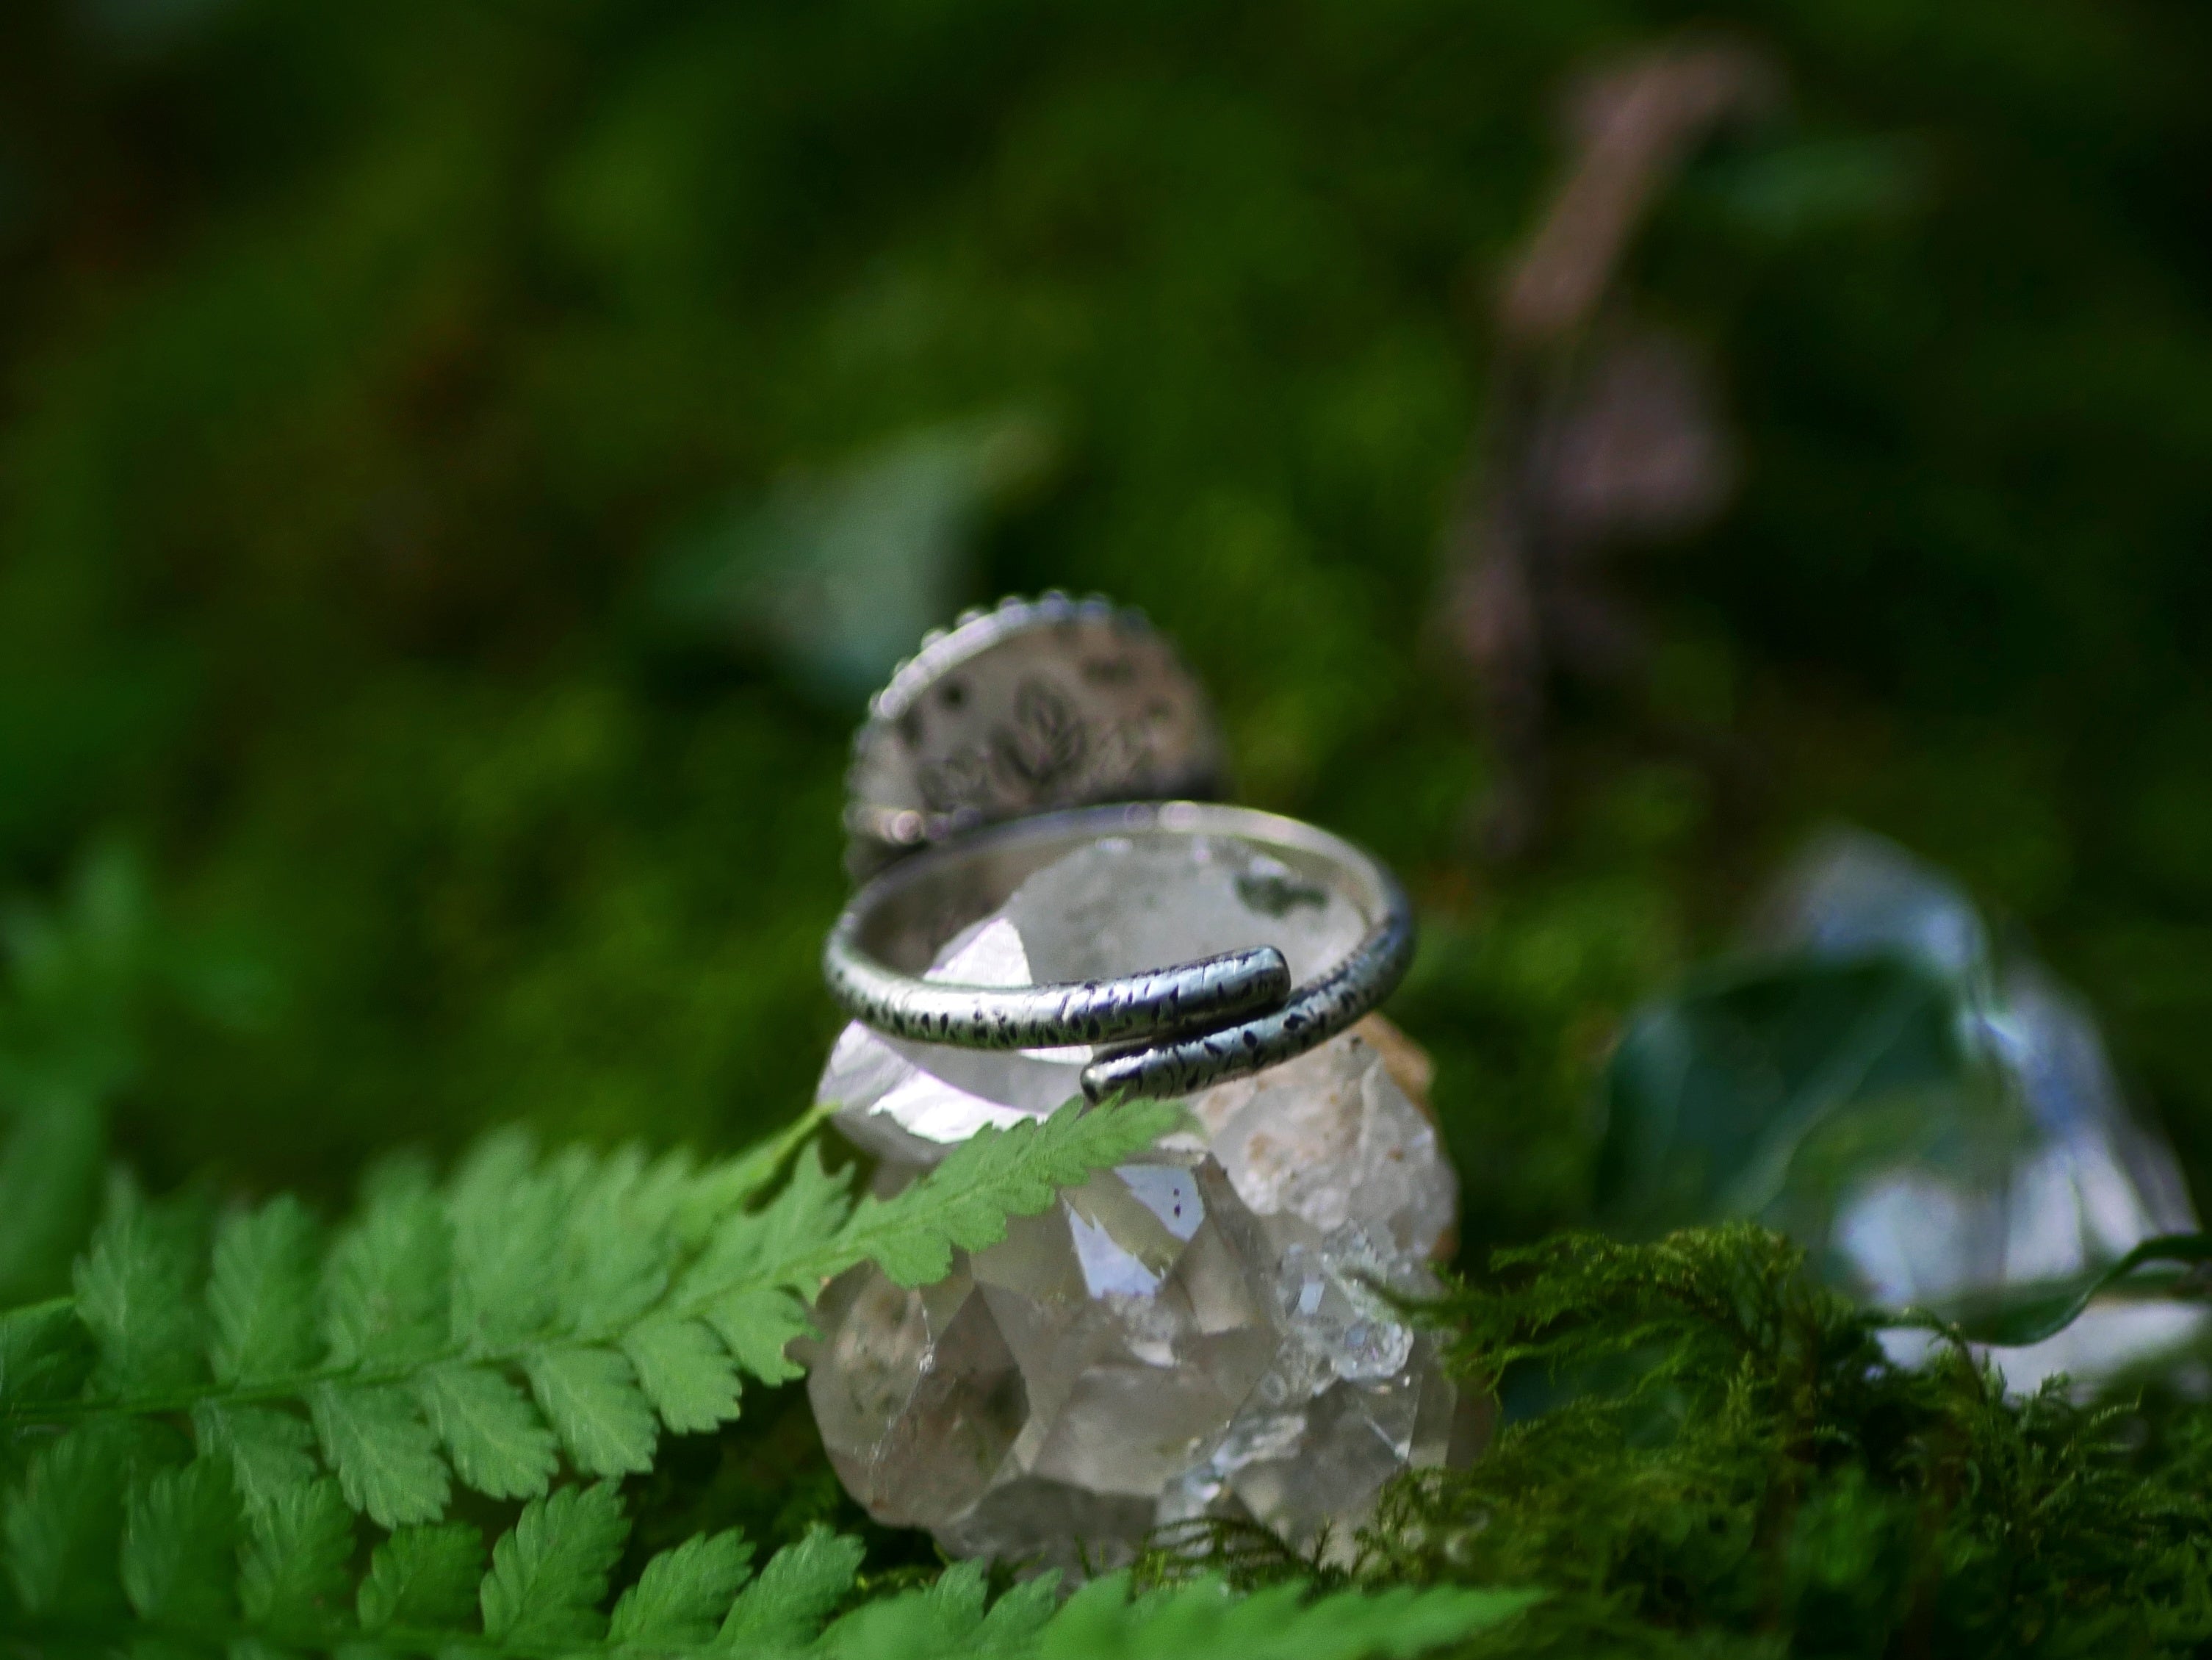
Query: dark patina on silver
x,y
1190,1026
1035,705
986,758
1190,997
1313,1014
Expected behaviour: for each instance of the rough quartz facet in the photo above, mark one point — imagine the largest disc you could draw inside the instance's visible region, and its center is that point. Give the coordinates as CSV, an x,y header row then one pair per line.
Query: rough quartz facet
x,y
2080,1181
1196,1334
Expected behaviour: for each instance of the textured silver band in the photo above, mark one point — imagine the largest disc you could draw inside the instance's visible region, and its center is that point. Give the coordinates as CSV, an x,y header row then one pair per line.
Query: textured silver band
x,y
1186,998
1188,1025
1315,1014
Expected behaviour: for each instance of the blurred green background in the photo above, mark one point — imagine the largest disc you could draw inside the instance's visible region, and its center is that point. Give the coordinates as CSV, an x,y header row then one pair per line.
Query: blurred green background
x,y
463,466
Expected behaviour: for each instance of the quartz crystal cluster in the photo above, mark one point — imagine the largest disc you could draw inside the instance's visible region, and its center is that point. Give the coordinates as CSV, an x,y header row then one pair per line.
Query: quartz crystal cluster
x,y
2077,1181
1198,1333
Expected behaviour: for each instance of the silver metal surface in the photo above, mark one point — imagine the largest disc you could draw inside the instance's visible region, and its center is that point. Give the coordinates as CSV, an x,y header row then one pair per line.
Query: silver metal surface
x,y
1198,1023
1037,705
1314,1014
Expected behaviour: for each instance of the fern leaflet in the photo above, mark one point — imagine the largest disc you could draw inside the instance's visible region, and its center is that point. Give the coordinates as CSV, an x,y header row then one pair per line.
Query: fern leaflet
x,y
526,1312
109,1543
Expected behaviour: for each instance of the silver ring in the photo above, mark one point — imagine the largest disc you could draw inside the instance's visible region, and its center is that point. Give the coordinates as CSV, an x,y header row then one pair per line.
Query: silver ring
x,y
1187,1025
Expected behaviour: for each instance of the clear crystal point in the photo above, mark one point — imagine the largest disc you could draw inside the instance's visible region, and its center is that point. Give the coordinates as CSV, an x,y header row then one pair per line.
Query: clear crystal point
x,y
2066,1182
1199,1333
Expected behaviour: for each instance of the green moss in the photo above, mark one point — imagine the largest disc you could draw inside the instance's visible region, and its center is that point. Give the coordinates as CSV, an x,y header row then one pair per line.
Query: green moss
x,y
1736,1464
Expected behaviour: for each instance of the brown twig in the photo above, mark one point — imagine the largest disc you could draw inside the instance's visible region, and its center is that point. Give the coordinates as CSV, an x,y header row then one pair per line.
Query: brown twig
x,y
1600,430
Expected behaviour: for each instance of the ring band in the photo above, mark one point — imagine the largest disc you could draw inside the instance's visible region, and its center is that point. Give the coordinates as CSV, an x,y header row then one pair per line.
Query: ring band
x,y
1189,1024
1190,997
1313,1015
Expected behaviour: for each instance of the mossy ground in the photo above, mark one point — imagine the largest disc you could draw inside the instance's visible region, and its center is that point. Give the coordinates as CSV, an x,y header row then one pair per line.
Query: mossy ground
x,y
363,363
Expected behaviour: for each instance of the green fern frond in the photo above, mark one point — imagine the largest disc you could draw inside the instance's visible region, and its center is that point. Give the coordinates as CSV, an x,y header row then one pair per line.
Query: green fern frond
x,y
526,1312
78,975
108,1546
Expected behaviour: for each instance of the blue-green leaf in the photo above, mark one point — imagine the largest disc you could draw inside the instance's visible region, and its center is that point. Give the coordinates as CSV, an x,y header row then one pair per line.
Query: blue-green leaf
x,y
2032,1314
1713,1090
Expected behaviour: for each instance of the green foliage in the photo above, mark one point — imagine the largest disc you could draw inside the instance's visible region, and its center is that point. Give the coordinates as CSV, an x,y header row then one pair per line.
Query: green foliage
x,y
526,1311
78,977
679,1598
109,1543
1714,1092
1738,1467
371,372
422,1576
2031,1313
484,1327
340,482
840,576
